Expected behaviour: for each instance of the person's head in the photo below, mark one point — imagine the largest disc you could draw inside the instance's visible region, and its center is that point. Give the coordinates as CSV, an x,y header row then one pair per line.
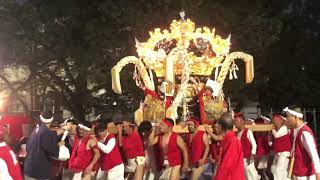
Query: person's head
x,y
208,91
83,128
71,121
117,117
259,120
278,120
96,120
46,118
192,125
55,125
145,128
266,119
294,116
239,120
128,125
166,125
108,121
250,121
101,130
224,124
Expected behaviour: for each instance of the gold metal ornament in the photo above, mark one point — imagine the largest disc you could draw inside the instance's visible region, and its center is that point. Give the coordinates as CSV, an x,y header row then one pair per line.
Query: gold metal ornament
x,y
183,51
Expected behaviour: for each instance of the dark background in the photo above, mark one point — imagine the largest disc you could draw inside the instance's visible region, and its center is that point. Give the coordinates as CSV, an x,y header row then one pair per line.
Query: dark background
x,y
84,39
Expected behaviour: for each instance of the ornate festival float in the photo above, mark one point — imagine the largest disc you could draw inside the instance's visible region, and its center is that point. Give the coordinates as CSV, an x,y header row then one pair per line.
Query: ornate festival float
x,y
174,67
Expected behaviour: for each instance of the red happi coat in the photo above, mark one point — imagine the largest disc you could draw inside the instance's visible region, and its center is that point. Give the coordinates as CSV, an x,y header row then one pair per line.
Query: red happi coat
x,y
132,145
215,150
230,166
282,144
11,160
246,145
262,140
81,156
173,152
197,147
111,159
303,165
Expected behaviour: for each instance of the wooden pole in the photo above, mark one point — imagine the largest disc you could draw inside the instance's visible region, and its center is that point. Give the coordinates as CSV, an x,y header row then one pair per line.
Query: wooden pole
x,y
290,170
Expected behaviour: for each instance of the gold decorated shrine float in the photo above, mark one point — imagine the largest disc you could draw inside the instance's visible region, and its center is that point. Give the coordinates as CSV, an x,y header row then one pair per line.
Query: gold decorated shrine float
x,y
179,58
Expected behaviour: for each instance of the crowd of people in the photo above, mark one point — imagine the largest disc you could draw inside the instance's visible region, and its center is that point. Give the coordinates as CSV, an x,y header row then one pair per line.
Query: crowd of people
x,y
155,151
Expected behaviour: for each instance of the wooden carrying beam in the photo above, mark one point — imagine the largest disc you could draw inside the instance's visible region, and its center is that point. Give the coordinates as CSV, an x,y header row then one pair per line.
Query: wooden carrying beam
x,y
257,127
184,129
260,127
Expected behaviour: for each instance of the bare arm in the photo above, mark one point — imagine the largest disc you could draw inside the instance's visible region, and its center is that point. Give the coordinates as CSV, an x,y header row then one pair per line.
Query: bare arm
x,y
93,145
153,139
214,136
59,131
181,144
206,150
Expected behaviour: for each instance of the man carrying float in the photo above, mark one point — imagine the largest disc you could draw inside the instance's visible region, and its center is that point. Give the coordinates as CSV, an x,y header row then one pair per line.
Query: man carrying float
x,y
249,147
173,151
281,146
85,156
305,163
198,145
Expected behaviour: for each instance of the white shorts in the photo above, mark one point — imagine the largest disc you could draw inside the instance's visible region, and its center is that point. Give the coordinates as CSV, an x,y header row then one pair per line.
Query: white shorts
x,y
165,173
312,177
132,163
250,171
78,176
116,173
263,163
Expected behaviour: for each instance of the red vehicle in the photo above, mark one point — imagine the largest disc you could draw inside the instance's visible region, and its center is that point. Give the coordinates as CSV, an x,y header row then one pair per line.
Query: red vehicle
x,y
17,126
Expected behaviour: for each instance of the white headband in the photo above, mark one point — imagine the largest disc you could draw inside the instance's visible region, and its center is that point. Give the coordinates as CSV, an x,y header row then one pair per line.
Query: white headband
x,y
250,119
295,113
84,127
265,118
46,120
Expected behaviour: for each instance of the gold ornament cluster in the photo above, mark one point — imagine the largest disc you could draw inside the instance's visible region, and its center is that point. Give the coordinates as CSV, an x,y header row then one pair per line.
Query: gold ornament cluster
x,y
183,34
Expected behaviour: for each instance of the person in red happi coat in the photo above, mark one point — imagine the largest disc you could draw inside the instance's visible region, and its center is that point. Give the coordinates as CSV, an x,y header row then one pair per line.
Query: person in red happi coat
x,y
198,145
230,165
9,164
306,164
